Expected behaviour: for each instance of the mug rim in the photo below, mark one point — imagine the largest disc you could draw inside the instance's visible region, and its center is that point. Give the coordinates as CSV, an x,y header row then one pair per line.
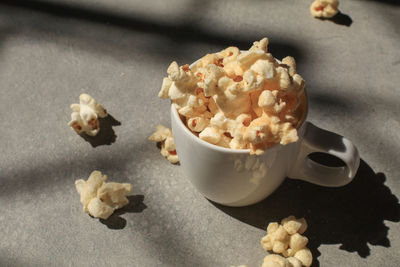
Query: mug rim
x,y
176,116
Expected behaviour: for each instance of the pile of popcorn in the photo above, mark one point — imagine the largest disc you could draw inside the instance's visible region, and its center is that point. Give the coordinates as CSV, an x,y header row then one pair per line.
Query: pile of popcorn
x,y
324,8
287,239
239,100
101,199
164,136
85,115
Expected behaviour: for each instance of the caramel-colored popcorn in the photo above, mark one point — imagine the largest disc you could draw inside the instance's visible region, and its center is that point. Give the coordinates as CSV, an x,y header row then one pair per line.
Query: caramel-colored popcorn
x,y
164,136
324,8
217,90
84,117
101,199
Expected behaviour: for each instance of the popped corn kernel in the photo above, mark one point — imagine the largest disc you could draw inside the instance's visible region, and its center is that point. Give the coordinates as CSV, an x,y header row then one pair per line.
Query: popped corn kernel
x,y
267,99
293,262
266,242
304,255
274,260
291,63
248,58
84,117
197,124
99,198
291,225
164,136
264,68
298,241
229,54
211,135
260,45
324,8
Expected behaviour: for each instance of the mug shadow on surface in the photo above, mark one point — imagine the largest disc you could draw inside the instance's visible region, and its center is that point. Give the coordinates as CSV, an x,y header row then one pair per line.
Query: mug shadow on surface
x,y
115,221
352,216
106,135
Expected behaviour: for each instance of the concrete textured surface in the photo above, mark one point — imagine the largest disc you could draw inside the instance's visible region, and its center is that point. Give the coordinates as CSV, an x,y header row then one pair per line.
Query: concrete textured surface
x,y
118,52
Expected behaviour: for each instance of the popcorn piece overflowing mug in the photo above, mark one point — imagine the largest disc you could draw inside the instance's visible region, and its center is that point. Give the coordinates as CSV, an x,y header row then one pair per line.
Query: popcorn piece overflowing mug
x,y
287,240
99,198
239,100
324,8
84,117
164,136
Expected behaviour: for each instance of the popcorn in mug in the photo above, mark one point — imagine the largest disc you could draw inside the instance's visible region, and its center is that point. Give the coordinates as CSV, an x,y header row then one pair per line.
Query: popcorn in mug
x,y
239,100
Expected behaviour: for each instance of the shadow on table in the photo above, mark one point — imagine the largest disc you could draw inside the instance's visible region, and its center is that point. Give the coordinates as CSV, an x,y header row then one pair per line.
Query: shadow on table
x,y
352,216
341,19
115,221
172,35
106,135
388,2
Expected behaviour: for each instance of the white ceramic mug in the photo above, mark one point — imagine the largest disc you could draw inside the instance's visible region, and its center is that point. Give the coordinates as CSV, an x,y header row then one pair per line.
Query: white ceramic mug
x,y
233,177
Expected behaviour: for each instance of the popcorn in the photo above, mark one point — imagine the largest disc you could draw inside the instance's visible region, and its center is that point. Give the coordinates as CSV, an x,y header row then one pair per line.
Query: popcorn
x,y
274,260
260,45
324,8
101,199
164,136
286,239
84,117
252,85
304,255
294,262
211,134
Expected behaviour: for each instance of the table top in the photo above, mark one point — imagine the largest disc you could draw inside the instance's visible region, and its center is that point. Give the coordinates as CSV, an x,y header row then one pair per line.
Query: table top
x,y
52,51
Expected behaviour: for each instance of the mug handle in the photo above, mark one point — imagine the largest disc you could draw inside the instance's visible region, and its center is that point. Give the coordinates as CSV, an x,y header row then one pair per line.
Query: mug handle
x,y
318,140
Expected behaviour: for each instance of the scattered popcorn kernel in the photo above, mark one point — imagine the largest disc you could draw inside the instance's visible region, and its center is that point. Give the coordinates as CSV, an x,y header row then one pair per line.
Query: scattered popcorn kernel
x,y
221,87
324,8
293,262
303,227
84,117
291,226
101,199
266,243
298,241
279,246
280,235
304,255
164,136
274,260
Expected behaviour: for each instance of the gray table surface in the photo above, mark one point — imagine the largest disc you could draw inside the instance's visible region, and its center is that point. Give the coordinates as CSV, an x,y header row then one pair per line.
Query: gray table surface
x,y
118,51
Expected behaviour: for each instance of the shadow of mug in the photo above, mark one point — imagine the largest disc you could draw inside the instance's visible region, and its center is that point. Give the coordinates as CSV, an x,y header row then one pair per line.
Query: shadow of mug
x,y
352,216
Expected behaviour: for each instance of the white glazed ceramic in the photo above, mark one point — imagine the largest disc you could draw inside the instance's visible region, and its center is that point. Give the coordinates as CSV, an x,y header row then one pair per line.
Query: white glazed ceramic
x,y
233,177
